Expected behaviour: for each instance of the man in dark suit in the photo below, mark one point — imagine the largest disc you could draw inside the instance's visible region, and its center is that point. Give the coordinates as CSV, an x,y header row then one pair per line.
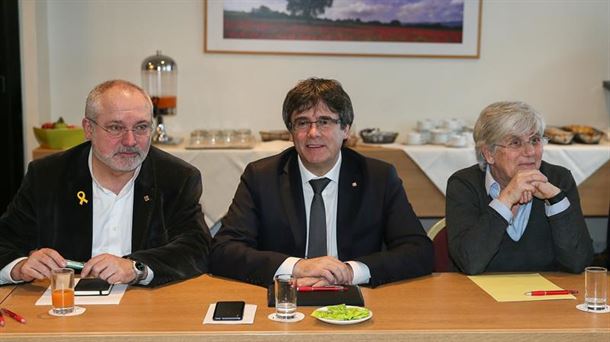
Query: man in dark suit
x,y
357,227
131,211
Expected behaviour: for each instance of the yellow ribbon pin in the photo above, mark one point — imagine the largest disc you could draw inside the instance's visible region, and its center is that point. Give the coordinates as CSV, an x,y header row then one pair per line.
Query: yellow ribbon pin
x,y
81,197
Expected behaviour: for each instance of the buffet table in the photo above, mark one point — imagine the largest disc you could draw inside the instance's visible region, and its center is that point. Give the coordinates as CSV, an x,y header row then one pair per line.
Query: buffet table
x,y
423,169
442,306
221,170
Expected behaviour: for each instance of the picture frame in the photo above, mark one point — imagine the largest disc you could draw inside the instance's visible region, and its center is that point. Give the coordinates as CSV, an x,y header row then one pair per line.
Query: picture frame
x,y
216,41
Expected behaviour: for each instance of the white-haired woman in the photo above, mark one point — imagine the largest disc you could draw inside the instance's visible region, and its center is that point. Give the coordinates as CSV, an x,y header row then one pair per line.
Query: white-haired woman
x,y
514,212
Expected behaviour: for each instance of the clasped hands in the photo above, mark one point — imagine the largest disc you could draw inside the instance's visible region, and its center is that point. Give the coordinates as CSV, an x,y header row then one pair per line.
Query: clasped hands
x,y
526,185
41,262
322,271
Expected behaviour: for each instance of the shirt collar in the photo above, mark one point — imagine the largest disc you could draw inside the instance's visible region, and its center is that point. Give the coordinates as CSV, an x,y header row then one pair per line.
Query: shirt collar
x,y
490,182
333,174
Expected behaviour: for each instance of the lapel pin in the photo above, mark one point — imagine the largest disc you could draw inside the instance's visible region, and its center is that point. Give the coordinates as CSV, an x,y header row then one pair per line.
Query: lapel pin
x,y
81,197
146,198
354,184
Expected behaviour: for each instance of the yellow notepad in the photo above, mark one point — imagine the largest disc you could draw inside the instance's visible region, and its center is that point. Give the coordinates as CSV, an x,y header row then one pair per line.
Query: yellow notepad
x,y
512,287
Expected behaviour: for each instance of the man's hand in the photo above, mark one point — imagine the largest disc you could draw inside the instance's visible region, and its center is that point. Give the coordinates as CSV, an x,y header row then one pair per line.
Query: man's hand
x,y
38,265
522,187
312,281
111,268
330,269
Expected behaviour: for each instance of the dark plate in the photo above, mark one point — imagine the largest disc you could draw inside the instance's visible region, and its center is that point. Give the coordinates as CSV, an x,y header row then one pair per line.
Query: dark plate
x,y
374,136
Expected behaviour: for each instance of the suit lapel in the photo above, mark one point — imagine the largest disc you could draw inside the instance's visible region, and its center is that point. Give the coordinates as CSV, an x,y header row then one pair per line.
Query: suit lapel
x,y
145,199
76,209
351,185
291,192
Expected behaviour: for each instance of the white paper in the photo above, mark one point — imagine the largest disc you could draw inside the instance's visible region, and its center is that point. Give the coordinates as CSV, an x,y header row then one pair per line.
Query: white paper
x,y
117,292
249,312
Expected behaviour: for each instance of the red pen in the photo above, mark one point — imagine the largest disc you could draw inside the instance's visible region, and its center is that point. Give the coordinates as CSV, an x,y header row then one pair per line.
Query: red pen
x,y
550,292
321,288
13,315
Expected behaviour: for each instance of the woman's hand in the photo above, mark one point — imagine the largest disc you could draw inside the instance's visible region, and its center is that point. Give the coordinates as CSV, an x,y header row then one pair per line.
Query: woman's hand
x,y
522,187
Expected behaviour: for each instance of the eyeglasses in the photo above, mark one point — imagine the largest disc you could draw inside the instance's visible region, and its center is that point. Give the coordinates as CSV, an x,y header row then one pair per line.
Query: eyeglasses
x,y
323,123
117,131
517,144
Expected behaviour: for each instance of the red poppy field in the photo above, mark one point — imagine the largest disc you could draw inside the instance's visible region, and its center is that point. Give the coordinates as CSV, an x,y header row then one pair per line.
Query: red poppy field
x,y
242,27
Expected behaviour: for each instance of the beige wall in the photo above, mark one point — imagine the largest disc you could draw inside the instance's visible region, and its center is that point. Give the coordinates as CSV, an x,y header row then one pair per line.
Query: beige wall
x,y
553,54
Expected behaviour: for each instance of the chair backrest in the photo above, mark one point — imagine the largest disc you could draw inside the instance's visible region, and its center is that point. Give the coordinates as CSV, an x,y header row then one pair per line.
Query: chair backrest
x,y
438,234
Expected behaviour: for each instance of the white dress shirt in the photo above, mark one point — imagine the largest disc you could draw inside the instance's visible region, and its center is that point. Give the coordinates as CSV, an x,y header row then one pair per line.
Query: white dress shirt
x,y
362,274
113,219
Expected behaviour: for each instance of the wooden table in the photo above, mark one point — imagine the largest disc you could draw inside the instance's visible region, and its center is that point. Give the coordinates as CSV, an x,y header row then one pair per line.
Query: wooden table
x,y
426,199
444,306
5,291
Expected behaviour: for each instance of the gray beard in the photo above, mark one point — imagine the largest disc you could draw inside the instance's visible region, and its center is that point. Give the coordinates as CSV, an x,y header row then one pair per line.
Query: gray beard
x,y
124,165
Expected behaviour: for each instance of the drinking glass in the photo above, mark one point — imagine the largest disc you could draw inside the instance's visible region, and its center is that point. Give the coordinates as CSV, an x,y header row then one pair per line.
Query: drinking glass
x,y
198,136
285,296
244,136
62,290
596,288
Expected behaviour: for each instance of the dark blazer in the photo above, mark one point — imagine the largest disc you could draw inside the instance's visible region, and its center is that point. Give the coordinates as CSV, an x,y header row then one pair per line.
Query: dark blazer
x,y
477,236
266,221
169,233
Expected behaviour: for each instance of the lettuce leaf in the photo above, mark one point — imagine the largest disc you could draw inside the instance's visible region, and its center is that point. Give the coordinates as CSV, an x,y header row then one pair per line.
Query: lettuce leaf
x,y
341,313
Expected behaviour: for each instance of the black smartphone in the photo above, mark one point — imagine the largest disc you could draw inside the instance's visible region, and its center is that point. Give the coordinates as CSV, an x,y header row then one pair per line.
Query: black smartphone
x,y
229,311
92,287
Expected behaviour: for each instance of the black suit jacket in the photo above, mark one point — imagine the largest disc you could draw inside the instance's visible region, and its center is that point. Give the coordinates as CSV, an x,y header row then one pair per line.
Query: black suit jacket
x,y
169,233
477,236
266,221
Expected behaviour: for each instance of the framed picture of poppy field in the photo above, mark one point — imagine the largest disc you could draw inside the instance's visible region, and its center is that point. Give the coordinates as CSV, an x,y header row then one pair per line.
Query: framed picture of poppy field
x,y
394,28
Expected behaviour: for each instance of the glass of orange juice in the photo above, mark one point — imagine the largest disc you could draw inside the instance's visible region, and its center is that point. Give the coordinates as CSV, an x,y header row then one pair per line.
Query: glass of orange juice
x,y
62,290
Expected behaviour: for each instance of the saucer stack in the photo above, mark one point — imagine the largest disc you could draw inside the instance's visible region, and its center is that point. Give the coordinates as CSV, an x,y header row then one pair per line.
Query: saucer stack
x,y
449,132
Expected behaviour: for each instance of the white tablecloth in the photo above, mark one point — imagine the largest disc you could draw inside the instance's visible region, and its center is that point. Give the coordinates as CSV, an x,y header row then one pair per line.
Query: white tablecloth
x,y
221,169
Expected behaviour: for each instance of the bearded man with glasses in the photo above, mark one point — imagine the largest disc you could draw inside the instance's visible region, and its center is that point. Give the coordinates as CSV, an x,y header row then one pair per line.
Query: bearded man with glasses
x,y
320,211
514,212
128,211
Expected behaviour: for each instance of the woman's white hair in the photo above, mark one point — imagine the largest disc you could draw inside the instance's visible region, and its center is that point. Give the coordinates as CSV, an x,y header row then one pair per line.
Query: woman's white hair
x,y
502,119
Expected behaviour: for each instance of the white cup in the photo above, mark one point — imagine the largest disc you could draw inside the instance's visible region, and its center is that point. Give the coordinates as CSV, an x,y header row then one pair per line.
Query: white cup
x,y
426,137
439,136
596,288
456,140
452,125
468,137
425,125
414,138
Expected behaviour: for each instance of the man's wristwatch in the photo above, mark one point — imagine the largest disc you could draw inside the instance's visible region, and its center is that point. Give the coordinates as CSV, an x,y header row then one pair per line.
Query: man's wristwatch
x,y
140,271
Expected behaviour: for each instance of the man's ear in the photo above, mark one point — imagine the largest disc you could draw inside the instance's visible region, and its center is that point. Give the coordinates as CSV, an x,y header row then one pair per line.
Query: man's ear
x,y
346,131
87,128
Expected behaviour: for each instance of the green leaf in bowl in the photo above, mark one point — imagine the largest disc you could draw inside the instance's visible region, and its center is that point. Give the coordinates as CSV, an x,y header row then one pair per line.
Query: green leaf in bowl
x,y
342,312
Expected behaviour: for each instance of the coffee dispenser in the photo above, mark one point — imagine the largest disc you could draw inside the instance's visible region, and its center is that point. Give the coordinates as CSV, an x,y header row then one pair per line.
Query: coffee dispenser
x,y
159,79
